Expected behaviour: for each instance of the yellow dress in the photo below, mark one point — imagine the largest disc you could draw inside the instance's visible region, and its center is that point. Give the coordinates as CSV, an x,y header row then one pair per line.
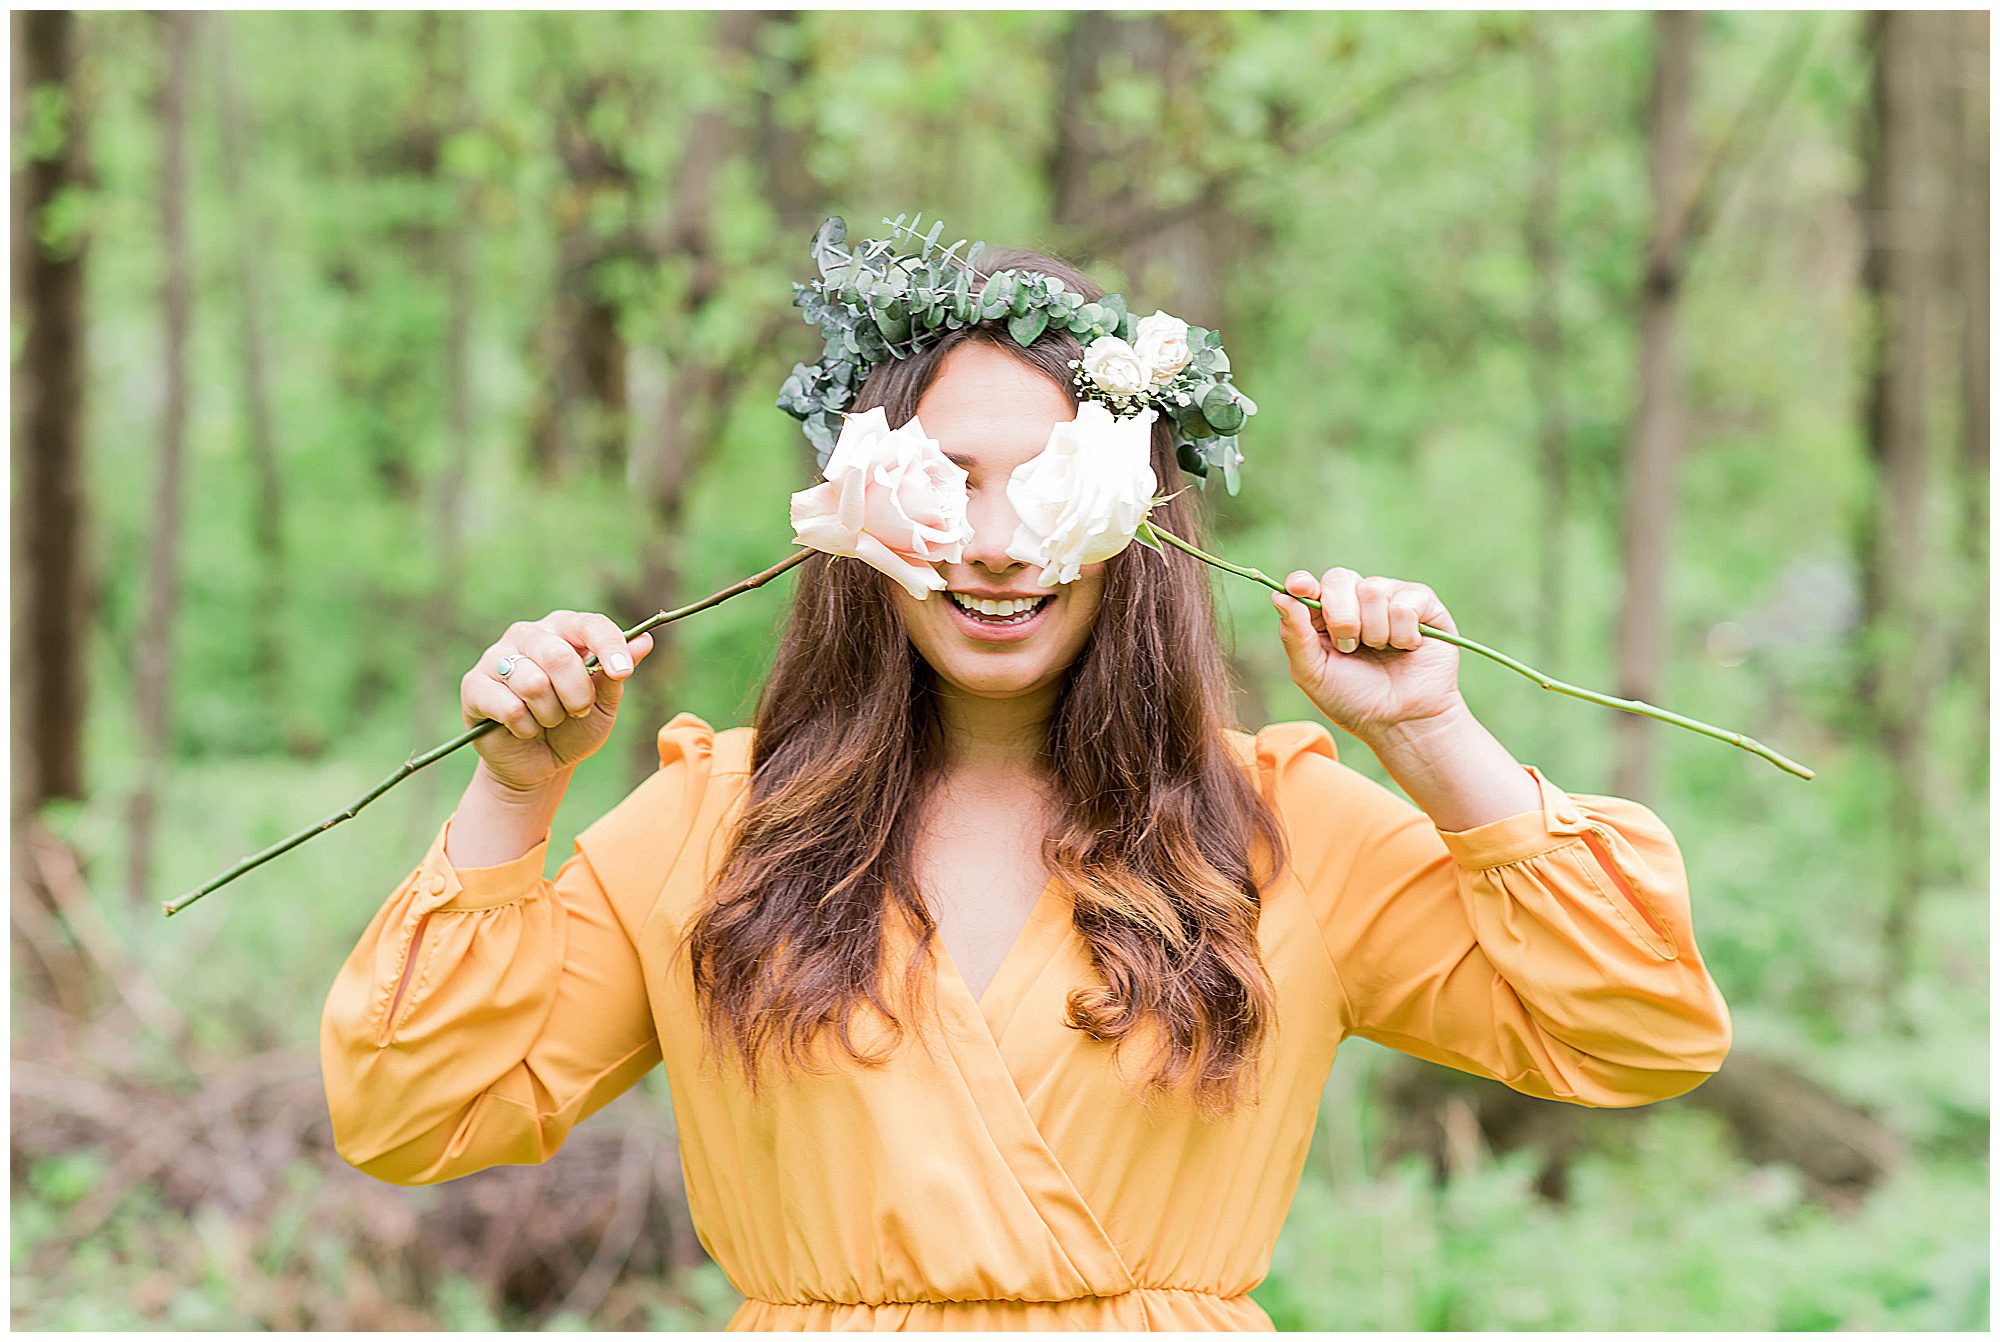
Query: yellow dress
x,y
997,1174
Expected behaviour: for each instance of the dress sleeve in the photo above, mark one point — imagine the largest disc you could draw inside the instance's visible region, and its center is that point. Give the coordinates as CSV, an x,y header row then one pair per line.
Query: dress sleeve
x,y
488,1010
1552,950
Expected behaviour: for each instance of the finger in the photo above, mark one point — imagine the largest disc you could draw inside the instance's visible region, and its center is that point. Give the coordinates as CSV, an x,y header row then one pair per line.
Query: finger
x,y
1373,597
1305,653
572,626
1434,614
1302,584
563,664
1340,607
1405,607
610,685
531,685
488,698
607,644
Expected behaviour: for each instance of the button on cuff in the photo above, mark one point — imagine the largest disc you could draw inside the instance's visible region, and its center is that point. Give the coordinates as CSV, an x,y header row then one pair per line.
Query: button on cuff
x,y
441,885
1557,821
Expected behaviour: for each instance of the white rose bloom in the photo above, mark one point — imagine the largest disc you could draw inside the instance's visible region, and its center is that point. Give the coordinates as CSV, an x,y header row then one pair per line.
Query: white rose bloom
x,y
1116,366
892,499
1161,343
1082,498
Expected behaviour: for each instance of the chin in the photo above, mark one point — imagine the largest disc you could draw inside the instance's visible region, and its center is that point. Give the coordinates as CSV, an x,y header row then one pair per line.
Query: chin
x,y
993,682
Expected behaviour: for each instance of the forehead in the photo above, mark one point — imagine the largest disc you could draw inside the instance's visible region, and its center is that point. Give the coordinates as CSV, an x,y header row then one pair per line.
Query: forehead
x,y
987,408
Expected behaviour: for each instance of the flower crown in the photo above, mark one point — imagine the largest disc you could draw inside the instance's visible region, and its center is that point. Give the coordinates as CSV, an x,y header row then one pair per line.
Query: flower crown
x,y
874,301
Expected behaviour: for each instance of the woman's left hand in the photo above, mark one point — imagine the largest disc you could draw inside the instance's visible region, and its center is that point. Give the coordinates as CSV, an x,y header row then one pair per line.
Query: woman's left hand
x,y
1360,658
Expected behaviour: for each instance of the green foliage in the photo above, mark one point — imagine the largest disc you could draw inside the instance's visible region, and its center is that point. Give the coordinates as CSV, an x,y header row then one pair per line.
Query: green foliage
x,y
1675,1234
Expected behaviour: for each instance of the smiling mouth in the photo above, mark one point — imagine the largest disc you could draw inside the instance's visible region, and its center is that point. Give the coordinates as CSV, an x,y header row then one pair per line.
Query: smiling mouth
x,y
1018,614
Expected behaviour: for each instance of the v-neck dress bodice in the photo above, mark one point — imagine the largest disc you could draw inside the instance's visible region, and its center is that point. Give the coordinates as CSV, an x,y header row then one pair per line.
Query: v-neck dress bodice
x,y
1000,1170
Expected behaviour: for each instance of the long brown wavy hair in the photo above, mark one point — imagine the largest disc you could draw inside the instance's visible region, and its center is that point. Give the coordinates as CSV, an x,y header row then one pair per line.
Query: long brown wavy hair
x,y
1159,849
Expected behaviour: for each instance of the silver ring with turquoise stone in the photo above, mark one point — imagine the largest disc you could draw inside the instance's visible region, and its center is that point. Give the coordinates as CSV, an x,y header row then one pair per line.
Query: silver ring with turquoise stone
x,y
506,666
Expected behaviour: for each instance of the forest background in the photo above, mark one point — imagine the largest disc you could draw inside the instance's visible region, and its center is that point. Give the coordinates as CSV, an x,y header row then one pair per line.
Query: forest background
x,y
1657,344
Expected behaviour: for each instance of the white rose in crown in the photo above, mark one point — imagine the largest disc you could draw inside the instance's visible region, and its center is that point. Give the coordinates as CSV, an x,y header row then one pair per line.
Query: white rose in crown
x,y
892,499
1116,366
1084,496
1161,343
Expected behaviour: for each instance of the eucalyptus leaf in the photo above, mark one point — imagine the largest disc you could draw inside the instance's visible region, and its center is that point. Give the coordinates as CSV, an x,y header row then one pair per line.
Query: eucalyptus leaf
x,y
1220,409
827,240
1026,326
1192,422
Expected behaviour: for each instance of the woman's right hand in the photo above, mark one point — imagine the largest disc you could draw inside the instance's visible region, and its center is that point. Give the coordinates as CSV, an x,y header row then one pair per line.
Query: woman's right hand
x,y
553,714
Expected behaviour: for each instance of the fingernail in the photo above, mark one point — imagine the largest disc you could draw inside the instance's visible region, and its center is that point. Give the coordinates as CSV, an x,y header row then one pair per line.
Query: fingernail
x,y
1346,644
620,662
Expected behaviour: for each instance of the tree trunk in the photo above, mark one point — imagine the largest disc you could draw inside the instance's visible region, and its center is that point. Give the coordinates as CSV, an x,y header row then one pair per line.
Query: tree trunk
x,y
449,250
1179,260
582,414
1545,341
1078,143
698,388
267,526
1972,111
51,587
703,380
1659,433
1902,206
154,690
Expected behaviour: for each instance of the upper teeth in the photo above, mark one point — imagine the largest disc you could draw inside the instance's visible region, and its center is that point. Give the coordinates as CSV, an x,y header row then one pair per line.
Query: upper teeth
x,y
985,607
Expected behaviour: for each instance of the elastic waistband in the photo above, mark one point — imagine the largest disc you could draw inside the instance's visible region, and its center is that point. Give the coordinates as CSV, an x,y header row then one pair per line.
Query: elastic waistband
x,y
1000,1299
1143,1308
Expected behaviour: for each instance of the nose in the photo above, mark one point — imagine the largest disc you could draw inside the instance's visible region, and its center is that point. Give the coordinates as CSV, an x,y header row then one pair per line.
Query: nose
x,y
993,520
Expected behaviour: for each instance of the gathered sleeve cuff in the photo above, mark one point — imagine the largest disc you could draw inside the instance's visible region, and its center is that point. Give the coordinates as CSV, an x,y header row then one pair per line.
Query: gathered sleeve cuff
x,y
486,1010
1552,950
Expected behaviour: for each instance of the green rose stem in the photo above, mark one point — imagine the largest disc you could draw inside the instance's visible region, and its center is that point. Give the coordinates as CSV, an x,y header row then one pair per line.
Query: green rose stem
x,y
1546,682
466,737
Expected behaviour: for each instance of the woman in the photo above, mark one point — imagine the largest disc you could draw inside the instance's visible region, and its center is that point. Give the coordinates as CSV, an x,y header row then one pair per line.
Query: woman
x,y
996,976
